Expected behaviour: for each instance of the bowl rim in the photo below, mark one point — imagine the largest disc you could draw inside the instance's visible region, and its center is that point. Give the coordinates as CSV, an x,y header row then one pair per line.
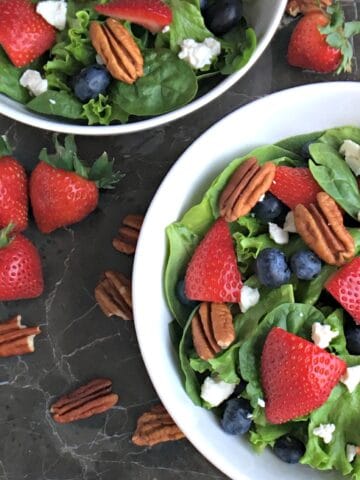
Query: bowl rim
x,y
42,122
321,90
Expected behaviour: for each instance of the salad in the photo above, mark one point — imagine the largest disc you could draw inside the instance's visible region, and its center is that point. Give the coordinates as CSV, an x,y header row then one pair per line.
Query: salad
x,y
263,281
100,62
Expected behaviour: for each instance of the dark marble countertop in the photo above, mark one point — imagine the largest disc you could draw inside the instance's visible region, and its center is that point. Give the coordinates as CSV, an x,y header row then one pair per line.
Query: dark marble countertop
x,y
78,342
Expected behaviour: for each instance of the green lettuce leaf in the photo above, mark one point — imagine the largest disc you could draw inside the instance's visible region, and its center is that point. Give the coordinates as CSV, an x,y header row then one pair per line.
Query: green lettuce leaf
x,y
336,136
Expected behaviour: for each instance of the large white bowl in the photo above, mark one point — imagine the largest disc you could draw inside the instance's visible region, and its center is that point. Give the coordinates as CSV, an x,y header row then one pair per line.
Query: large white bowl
x,y
291,112
263,15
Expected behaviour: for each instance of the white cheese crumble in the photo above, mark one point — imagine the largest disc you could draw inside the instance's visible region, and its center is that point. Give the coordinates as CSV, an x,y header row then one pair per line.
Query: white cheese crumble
x,y
215,391
99,59
261,402
261,199
351,152
289,225
351,452
322,334
54,12
166,29
280,236
351,378
31,79
325,432
198,55
248,297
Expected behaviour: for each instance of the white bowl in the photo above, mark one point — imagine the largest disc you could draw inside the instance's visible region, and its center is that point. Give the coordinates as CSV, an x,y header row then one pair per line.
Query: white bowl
x,y
263,15
291,112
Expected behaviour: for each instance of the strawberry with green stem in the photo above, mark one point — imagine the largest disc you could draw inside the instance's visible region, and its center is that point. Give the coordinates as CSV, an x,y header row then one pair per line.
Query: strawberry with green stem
x,y
62,190
321,41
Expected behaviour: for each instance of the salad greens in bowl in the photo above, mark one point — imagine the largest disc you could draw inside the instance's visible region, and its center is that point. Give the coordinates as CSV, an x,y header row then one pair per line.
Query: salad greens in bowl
x,y
170,58
253,341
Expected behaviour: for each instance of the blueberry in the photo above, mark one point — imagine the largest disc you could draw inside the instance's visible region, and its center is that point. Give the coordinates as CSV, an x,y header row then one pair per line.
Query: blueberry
x,y
271,268
289,449
269,208
352,335
180,293
90,82
305,264
305,152
237,418
203,4
222,15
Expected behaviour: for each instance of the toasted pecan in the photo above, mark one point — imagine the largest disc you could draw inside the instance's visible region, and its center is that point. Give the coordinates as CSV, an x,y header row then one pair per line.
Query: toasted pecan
x,y
244,189
91,399
212,329
156,426
113,294
118,49
321,226
128,234
15,338
294,7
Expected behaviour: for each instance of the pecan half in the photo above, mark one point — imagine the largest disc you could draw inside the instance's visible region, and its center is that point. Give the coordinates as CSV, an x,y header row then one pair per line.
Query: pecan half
x,y
91,399
247,184
156,426
128,235
294,7
113,295
119,51
15,338
212,329
321,226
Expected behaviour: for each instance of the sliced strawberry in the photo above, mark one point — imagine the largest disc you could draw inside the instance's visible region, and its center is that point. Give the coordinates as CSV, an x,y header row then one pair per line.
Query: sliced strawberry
x,y
212,274
294,185
297,376
24,34
344,286
151,14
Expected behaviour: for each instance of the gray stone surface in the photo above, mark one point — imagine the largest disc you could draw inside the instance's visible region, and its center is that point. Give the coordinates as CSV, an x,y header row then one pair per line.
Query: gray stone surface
x,y
77,342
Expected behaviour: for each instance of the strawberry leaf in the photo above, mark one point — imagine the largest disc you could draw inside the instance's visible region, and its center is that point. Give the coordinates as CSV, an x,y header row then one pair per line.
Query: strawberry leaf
x,y
102,172
5,233
5,148
351,28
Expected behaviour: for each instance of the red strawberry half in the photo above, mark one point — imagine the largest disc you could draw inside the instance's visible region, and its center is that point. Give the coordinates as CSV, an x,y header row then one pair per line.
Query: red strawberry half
x,y
62,190
24,34
151,14
13,190
297,376
212,274
20,268
294,185
344,286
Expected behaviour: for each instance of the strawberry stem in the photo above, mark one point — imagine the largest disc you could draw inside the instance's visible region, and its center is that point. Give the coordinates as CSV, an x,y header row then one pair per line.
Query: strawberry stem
x,y
66,158
5,148
5,238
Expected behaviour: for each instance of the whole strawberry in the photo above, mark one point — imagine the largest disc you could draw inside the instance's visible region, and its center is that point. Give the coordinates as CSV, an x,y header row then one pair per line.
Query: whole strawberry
x,y
13,190
24,34
62,190
20,267
320,41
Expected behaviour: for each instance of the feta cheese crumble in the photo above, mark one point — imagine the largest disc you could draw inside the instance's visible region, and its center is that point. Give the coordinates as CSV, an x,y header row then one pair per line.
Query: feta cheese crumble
x,y
351,378
261,402
325,432
54,12
99,60
215,391
351,152
289,225
351,452
280,236
166,29
248,297
198,55
31,79
322,334
261,199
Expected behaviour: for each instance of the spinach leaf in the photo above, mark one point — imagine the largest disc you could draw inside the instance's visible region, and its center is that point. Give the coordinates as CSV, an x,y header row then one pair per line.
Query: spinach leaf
x,y
181,244
9,80
168,83
336,136
309,291
187,22
61,103
190,380
335,177
295,144
239,45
